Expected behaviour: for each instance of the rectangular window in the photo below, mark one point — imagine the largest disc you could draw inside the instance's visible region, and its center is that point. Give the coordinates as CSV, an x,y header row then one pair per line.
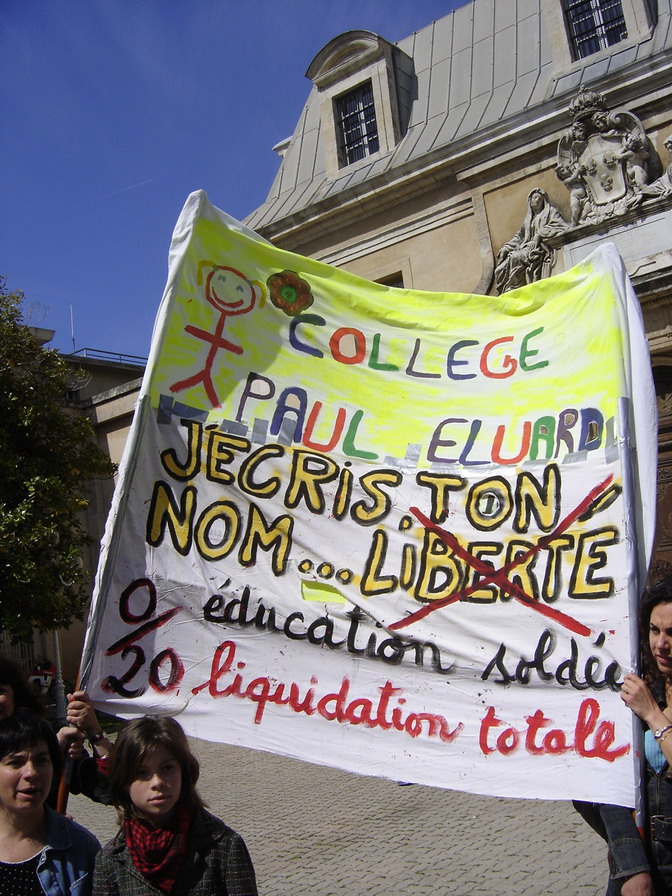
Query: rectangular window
x,y
356,124
594,25
397,281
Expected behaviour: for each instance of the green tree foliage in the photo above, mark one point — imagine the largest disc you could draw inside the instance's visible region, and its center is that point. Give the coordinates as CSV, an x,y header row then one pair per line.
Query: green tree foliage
x,y
48,458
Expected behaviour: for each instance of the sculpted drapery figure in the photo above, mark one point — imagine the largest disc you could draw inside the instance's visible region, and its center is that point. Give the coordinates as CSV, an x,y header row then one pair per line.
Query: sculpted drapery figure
x,y
527,257
662,186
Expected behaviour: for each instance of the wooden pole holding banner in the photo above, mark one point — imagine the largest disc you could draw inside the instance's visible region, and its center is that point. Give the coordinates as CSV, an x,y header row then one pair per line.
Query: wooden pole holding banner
x,y
633,531
61,718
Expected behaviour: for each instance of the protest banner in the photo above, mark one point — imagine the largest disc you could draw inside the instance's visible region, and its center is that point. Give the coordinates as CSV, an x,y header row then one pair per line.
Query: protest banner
x,y
395,532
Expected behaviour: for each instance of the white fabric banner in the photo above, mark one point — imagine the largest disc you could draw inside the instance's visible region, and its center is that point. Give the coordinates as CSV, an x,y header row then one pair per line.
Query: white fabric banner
x,y
395,532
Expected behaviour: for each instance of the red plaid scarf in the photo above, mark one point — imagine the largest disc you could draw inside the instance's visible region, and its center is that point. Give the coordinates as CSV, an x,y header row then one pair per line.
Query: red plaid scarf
x,y
158,853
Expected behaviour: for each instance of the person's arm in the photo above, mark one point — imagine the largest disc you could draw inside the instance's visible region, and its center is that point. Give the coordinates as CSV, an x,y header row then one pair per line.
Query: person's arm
x,y
89,773
629,861
71,740
638,885
636,694
82,715
627,856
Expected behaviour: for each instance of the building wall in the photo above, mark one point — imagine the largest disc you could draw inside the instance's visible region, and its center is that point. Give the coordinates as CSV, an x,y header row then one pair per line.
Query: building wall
x,y
446,255
474,108
111,414
492,88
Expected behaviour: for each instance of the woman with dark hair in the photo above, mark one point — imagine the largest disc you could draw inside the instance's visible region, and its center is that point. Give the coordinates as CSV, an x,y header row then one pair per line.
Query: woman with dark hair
x,y
88,772
15,691
168,841
41,853
643,867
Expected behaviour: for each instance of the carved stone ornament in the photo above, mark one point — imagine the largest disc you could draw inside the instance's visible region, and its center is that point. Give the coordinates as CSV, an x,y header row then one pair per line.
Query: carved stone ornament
x,y
663,185
527,256
605,160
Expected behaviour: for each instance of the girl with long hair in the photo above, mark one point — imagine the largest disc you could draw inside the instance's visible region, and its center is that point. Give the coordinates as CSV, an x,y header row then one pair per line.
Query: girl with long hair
x,y
167,839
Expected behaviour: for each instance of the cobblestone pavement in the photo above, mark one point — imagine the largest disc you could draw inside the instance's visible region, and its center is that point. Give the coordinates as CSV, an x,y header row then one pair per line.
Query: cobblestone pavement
x,y
324,832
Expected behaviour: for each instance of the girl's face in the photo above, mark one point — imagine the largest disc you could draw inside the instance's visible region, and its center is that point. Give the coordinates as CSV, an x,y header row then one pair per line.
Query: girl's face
x,y
6,700
25,778
157,787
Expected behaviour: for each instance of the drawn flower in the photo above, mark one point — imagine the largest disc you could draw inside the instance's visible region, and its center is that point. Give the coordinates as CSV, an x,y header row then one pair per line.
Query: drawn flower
x,y
289,292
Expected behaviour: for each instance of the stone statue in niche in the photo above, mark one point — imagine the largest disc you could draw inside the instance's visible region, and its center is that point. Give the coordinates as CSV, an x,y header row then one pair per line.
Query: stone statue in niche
x,y
662,186
527,257
605,160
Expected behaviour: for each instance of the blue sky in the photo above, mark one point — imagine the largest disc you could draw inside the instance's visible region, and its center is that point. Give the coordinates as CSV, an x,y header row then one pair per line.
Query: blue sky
x,y
113,111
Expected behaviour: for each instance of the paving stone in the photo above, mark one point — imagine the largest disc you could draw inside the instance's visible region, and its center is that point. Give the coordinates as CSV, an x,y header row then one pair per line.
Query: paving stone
x,y
317,830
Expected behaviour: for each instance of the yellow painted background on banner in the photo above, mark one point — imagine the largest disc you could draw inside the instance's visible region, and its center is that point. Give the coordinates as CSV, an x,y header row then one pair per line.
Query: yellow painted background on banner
x,y
549,326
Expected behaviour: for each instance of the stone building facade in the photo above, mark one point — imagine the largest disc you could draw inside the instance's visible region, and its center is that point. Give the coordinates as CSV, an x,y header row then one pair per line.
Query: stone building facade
x,y
496,146
492,148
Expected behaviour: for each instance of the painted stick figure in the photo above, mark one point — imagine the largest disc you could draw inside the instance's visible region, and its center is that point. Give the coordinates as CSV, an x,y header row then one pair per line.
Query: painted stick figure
x,y
231,293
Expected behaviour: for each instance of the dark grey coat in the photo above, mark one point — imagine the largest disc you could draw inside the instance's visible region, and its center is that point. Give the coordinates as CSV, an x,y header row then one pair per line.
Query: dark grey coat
x,y
217,864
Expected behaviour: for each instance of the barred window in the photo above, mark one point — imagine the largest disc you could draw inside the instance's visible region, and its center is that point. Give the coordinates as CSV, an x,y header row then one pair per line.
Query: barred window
x,y
594,25
356,124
